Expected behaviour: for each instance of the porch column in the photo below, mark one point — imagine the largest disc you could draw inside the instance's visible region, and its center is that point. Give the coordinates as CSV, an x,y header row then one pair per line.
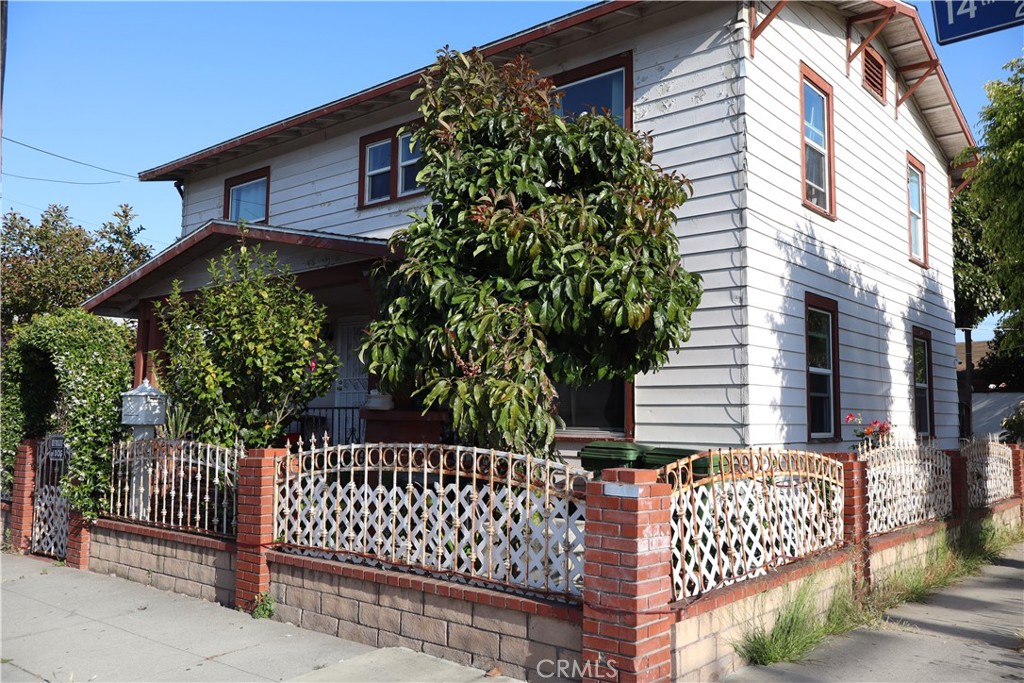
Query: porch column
x,y
22,495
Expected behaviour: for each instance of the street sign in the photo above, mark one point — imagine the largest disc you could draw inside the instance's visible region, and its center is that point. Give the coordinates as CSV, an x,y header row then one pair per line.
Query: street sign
x,y
957,20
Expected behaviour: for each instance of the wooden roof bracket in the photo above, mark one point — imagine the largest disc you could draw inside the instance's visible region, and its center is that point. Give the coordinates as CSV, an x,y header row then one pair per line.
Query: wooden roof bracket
x,y
971,163
930,67
882,16
757,29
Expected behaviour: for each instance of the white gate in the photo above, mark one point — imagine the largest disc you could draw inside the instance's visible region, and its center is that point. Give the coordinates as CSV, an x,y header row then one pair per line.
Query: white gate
x,y
50,509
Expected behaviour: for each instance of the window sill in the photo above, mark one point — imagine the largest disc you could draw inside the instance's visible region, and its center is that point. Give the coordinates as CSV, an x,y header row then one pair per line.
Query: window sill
x,y
393,200
820,211
918,262
824,439
586,436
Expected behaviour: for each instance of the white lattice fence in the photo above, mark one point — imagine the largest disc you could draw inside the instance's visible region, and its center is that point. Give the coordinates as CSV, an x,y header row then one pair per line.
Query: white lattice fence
x,y
184,485
485,515
908,483
738,513
989,471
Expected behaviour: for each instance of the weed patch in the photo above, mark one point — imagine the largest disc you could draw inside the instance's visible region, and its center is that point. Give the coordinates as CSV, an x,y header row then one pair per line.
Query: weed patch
x,y
799,629
264,606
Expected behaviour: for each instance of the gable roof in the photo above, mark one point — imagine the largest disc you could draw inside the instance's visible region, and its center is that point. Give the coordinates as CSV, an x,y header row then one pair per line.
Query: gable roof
x,y
904,34
123,294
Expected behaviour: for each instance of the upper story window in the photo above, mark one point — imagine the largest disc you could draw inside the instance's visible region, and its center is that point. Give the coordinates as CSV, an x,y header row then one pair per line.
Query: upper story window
x,y
817,148
917,219
922,359
247,196
604,86
874,73
822,333
389,164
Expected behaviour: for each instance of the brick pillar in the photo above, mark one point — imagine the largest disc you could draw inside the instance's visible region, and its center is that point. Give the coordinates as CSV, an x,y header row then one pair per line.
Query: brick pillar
x,y
627,580
958,479
855,519
255,524
79,536
1018,476
21,496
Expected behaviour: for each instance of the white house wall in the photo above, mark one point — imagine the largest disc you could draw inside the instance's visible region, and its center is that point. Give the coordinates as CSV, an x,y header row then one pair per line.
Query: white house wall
x,y
861,259
686,92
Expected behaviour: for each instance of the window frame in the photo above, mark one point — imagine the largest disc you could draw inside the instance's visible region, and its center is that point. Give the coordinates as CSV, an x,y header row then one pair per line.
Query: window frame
x,y
922,259
808,76
822,304
623,60
395,194
920,334
874,54
583,435
244,179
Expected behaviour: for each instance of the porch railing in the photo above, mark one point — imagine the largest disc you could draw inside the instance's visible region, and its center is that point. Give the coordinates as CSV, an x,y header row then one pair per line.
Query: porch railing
x,y
502,519
183,485
738,513
341,424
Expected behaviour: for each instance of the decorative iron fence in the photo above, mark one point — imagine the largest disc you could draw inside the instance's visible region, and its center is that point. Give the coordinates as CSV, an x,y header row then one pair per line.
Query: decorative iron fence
x,y
183,485
489,516
341,425
908,483
738,513
989,471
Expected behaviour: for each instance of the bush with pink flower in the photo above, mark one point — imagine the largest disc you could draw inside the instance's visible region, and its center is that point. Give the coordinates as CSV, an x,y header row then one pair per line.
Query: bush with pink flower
x,y
870,435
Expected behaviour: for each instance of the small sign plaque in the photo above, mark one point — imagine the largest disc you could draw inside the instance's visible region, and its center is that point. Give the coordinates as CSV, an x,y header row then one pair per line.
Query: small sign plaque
x,y
957,20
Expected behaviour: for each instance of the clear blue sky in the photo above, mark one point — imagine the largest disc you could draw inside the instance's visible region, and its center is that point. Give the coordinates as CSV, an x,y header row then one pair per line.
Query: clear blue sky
x,y
129,86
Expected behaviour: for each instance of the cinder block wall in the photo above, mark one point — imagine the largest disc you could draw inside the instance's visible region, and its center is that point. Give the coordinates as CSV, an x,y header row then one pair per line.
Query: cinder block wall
x,y
706,630
192,565
5,520
471,626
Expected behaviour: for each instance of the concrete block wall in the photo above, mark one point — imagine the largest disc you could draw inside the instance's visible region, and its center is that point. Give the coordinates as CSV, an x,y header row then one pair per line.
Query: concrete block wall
x,y
197,566
5,520
706,630
468,625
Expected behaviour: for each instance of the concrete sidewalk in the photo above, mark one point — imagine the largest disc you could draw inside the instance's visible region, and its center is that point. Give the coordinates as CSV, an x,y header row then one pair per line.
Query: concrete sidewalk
x,y
61,624
968,632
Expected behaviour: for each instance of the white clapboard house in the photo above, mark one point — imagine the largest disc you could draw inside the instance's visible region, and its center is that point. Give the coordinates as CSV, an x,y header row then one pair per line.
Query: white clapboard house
x,y
819,138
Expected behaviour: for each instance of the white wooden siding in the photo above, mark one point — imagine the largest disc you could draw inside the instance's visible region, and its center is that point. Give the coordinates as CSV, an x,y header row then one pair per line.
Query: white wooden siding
x,y
861,259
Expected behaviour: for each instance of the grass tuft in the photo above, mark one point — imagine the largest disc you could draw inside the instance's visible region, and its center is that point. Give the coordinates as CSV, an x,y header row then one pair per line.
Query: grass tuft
x,y
799,629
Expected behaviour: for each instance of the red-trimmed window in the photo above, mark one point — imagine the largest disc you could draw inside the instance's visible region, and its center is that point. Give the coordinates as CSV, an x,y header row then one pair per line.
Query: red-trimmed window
x,y
874,73
247,196
603,86
821,320
388,166
817,149
917,212
924,408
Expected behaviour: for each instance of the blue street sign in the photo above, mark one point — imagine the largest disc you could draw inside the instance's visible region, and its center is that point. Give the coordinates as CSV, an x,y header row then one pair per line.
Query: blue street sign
x,y
957,20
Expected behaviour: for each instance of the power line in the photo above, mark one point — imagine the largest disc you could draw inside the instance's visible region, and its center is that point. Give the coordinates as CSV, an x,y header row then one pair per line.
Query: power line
x,y
74,161
65,182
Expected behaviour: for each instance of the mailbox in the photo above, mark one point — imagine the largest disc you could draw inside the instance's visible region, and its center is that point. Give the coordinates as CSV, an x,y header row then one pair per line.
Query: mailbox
x,y
144,406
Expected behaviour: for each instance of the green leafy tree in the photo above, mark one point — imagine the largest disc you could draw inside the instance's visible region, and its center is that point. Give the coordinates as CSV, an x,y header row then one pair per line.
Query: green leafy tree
x,y
245,355
547,255
64,372
998,182
1004,363
56,264
976,287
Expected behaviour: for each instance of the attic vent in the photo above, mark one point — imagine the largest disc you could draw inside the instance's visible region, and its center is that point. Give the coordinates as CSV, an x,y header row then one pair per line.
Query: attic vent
x,y
874,73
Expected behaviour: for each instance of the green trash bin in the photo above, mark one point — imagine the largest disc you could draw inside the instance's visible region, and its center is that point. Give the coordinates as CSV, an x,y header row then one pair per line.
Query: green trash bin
x,y
660,456
603,455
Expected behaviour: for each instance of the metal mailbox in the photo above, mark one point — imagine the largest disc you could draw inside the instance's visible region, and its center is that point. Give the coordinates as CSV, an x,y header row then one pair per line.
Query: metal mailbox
x,y
144,405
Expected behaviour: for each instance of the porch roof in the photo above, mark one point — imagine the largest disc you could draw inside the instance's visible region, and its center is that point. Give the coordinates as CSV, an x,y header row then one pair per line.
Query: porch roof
x,y
121,299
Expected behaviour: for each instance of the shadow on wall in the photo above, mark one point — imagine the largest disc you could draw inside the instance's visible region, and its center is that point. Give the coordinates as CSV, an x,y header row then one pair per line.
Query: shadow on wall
x,y
864,376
